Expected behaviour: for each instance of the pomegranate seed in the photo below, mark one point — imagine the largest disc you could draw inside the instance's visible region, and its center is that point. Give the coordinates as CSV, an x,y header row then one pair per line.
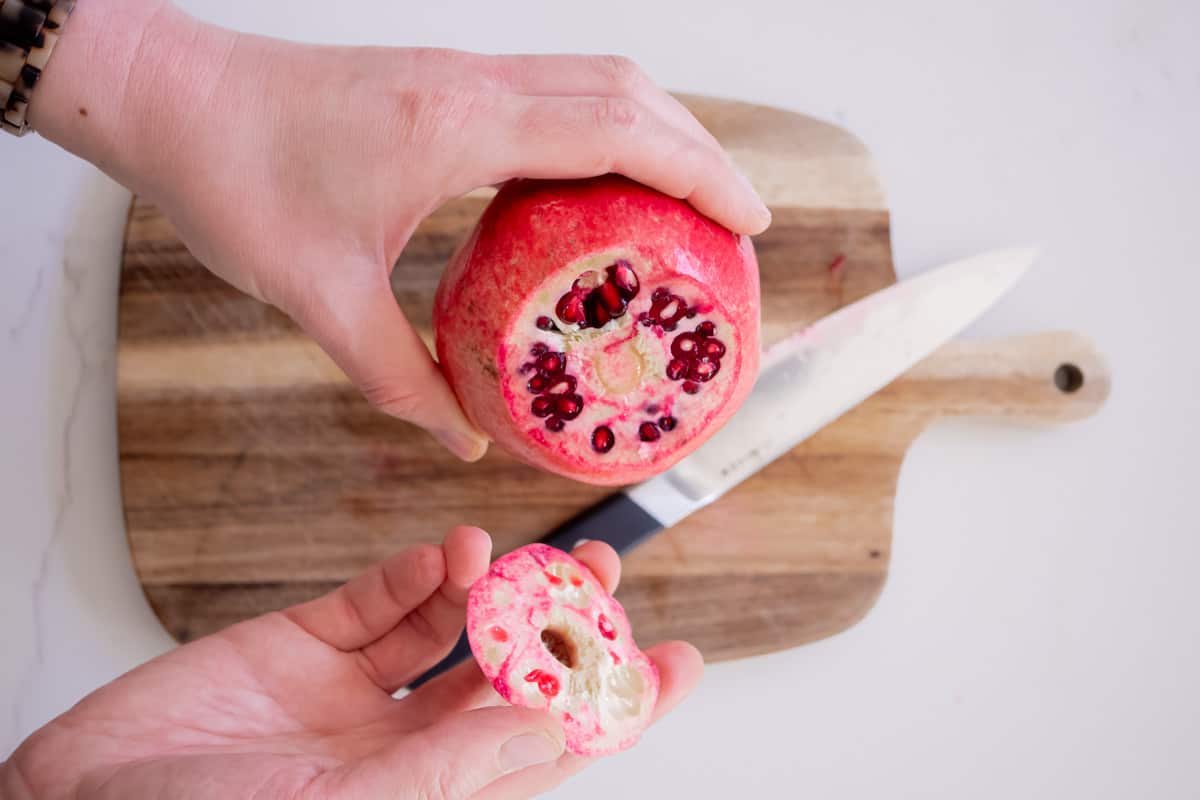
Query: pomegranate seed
x,y
611,297
648,432
603,439
546,324
541,406
652,408
706,329
667,423
712,348
676,369
606,628
538,349
570,308
554,579
691,387
565,384
587,280
551,363
576,581
569,407
547,684
703,370
597,315
625,278
660,295
554,424
685,345
616,658
537,384
499,634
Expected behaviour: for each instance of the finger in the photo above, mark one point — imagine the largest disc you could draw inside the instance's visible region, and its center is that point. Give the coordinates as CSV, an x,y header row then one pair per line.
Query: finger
x,y
582,137
602,560
425,635
453,759
357,321
464,686
680,667
595,76
359,612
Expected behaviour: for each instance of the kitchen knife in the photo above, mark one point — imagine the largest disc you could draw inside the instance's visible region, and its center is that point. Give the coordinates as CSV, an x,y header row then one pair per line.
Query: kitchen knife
x,y
805,382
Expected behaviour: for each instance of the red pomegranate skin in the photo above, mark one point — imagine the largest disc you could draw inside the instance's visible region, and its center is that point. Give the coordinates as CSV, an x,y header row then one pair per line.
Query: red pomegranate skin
x,y
639,385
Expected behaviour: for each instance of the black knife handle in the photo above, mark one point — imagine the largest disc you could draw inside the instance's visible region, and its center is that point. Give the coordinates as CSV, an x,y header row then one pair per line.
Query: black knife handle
x,y
616,520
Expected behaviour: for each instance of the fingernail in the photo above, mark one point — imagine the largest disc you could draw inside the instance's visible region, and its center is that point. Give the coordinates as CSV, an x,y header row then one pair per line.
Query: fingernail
x,y
465,446
527,750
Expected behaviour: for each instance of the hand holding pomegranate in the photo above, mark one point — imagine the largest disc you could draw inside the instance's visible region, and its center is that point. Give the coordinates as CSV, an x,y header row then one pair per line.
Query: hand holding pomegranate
x,y
298,704
297,173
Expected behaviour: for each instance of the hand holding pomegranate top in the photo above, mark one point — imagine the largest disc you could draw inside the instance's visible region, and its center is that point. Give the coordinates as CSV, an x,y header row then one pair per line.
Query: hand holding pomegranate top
x,y
598,328
297,173
298,704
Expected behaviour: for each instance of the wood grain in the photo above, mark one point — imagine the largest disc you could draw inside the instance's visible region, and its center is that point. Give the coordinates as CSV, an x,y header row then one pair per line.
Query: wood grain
x,y
254,476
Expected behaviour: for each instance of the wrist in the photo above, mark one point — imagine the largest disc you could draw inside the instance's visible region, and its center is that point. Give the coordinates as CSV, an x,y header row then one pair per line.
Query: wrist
x,y
126,83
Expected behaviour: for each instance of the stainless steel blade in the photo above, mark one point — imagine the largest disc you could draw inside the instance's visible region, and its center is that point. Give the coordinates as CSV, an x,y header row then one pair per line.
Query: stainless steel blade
x,y
813,377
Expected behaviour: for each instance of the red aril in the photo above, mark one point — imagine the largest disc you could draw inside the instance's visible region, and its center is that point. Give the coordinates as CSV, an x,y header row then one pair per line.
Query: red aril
x,y
547,635
580,316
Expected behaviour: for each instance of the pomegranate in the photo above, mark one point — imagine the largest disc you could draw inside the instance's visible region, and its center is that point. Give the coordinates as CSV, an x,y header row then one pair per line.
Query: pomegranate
x,y
547,635
598,328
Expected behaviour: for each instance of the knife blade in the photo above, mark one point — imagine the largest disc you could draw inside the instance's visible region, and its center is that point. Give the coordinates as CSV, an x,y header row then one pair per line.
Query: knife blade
x,y
805,382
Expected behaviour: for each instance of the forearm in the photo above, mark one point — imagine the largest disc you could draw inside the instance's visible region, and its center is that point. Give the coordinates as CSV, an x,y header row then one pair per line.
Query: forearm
x,y
127,83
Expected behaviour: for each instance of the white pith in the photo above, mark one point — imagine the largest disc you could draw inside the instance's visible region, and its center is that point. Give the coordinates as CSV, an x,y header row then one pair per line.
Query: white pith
x,y
604,689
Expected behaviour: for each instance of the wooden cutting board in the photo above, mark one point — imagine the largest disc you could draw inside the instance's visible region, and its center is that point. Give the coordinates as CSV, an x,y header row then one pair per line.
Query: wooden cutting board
x,y
254,476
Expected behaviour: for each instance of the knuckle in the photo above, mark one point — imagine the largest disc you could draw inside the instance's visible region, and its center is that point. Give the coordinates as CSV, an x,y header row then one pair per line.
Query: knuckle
x,y
620,72
427,113
616,114
386,396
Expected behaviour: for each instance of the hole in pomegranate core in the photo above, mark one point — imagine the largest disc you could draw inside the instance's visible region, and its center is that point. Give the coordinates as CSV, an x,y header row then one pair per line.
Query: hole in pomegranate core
x,y
1068,378
559,646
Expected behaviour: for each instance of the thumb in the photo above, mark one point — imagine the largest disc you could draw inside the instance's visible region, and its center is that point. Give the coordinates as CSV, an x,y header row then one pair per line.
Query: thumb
x,y
455,758
360,326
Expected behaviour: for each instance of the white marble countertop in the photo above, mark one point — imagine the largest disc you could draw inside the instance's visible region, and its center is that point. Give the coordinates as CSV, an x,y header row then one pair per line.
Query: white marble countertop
x,y
1038,636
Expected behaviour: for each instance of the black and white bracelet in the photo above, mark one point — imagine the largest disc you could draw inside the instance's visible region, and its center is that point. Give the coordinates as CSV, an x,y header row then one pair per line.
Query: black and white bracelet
x,y
29,29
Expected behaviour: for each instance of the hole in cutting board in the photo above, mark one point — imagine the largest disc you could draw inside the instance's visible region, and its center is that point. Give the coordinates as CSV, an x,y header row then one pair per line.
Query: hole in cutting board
x,y
1068,378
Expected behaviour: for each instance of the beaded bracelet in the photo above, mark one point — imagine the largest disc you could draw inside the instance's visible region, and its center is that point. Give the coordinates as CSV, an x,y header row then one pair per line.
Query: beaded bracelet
x,y
29,29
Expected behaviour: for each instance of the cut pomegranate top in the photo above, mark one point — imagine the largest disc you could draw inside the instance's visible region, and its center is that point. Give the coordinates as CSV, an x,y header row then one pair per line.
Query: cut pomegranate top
x,y
547,635
583,315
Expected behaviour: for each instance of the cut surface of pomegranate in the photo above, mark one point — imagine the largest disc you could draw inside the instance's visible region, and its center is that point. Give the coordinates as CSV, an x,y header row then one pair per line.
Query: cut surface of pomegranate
x,y
548,636
580,316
